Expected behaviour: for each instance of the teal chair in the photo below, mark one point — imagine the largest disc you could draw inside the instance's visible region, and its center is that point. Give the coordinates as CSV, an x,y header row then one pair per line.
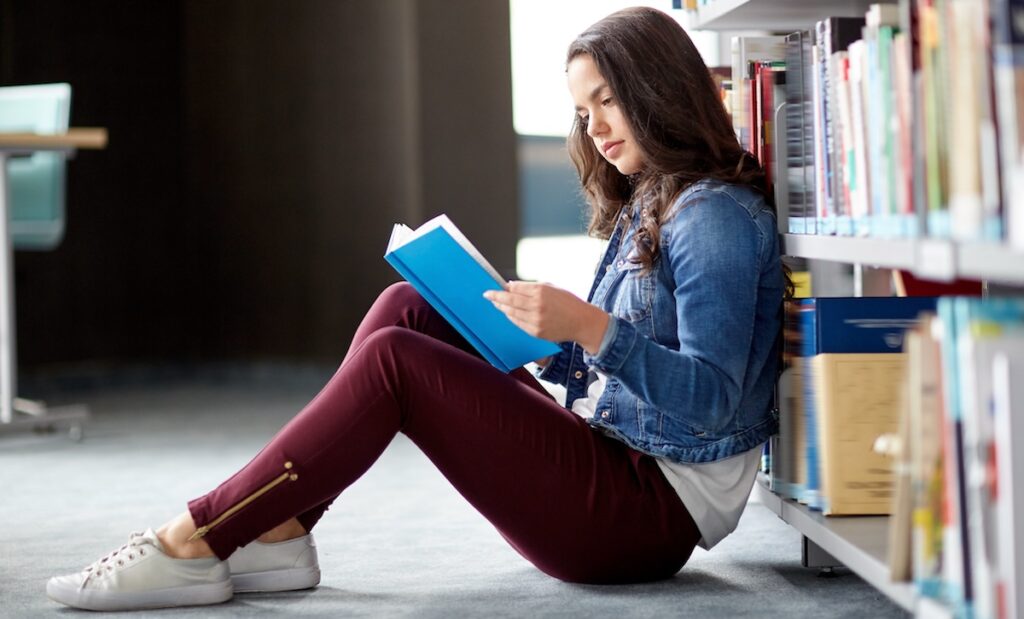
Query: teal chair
x,y
37,181
35,188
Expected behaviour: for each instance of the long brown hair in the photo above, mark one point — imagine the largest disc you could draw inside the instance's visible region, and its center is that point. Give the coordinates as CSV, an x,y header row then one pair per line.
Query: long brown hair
x,y
672,105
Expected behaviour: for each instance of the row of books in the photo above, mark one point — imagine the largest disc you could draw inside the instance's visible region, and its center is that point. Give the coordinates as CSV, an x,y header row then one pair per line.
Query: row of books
x,y
925,433
839,391
906,122
960,487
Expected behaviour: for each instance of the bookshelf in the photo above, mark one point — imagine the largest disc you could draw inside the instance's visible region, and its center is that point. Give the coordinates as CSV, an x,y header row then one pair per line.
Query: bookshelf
x,y
858,542
779,15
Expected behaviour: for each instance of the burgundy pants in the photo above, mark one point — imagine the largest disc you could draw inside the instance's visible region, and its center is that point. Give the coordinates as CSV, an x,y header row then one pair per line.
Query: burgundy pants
x,y
579,505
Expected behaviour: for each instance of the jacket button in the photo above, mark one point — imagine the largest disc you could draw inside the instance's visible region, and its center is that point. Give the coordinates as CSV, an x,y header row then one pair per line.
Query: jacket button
x,y
578,374
604,414
608,268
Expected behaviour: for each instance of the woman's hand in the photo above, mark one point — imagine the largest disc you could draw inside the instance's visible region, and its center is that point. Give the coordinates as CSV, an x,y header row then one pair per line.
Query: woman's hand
x,y
550,313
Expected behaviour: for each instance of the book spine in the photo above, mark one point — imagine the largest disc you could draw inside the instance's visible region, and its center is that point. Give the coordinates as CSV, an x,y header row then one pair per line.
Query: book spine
x,y
845,142
1008,58
821,207
1008,401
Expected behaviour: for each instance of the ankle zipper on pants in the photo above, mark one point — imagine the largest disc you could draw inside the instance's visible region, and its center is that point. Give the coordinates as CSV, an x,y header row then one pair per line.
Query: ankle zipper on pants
x,y
287,475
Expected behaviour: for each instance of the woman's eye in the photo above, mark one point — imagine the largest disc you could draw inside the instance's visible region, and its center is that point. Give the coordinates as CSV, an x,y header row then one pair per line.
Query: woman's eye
x,y
606,102
584,119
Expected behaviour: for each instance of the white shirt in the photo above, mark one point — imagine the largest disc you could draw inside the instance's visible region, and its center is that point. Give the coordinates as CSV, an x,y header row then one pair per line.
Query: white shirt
x,y
714,493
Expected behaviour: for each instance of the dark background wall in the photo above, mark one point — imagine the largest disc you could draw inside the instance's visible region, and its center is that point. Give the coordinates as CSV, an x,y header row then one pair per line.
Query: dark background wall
x,y
260,151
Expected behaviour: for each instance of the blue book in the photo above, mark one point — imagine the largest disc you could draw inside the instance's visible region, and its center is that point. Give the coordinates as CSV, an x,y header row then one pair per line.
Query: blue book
x,y
811,492
864,324
445,268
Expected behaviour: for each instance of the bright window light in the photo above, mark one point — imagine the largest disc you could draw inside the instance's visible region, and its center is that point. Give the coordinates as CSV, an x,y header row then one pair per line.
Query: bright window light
x,y
541,33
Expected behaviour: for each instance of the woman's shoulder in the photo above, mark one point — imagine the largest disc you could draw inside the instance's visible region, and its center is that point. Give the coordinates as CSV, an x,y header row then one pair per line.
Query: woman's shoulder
x,y
717,199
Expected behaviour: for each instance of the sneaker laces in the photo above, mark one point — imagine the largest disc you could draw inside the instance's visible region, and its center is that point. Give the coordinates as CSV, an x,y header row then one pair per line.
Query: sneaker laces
x,y
116,559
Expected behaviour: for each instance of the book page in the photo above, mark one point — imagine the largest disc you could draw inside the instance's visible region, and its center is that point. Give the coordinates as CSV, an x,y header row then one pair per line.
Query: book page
x,y
472,251
401,237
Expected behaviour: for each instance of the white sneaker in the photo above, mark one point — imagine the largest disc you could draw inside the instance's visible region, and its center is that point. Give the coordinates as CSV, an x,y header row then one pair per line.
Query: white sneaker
x,y
139,575
281,566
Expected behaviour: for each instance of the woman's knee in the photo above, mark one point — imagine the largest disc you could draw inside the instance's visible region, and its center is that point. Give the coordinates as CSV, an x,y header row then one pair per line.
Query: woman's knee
x,y
400,295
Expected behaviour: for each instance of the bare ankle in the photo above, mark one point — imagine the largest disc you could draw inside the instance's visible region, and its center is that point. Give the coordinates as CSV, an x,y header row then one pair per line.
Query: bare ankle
x,y
285,531
174,537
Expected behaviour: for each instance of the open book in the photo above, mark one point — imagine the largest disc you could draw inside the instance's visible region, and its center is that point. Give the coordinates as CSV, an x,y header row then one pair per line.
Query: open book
x,y
441,263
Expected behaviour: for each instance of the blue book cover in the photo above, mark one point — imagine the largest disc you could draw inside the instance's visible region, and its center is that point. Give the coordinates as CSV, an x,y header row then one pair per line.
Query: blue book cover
x,y
811,494
452,276
865,324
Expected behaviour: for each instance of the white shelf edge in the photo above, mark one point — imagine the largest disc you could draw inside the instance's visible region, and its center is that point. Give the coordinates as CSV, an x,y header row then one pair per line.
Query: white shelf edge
x,y
774,15
886,253
993,262
816,528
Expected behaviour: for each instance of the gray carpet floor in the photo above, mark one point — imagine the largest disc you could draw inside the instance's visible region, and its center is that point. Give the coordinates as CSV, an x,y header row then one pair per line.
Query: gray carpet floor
x,y
399,543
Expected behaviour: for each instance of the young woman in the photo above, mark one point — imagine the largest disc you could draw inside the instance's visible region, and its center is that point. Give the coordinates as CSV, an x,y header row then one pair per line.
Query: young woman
x,y
669,369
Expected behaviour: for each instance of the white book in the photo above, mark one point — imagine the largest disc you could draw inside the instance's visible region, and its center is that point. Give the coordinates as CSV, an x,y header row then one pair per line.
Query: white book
x,y
820,195
963,137
1008,422
977,353
860,188
844,128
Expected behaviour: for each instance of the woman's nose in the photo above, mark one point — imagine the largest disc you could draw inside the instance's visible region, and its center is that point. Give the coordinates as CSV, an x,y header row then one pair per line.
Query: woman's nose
x,y
596,126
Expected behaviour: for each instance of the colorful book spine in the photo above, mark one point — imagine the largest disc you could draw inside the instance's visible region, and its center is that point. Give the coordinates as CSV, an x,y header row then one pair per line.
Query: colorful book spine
x,y
925,447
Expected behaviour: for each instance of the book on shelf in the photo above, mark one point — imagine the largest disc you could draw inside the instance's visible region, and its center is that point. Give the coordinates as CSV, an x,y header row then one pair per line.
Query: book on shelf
x,y
881,23
857,400
1008,428
905,123
977,330
1008,75
799,136
964,483
898,448
834,326
787,472
769,79
955,573
924,391
973,157
449,272
832,36
745,52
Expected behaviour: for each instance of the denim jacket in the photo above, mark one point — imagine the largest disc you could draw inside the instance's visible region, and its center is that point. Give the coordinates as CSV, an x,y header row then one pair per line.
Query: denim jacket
x,y
692,348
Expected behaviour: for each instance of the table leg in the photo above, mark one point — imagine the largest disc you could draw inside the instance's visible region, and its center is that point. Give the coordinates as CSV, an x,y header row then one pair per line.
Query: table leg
x,y
8,348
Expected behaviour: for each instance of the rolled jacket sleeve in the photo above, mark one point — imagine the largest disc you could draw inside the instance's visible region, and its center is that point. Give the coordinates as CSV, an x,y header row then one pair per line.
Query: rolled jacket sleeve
x,y
557,369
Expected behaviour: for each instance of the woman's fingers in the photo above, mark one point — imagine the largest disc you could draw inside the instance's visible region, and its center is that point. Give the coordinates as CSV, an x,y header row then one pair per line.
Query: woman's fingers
x,y
520,295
